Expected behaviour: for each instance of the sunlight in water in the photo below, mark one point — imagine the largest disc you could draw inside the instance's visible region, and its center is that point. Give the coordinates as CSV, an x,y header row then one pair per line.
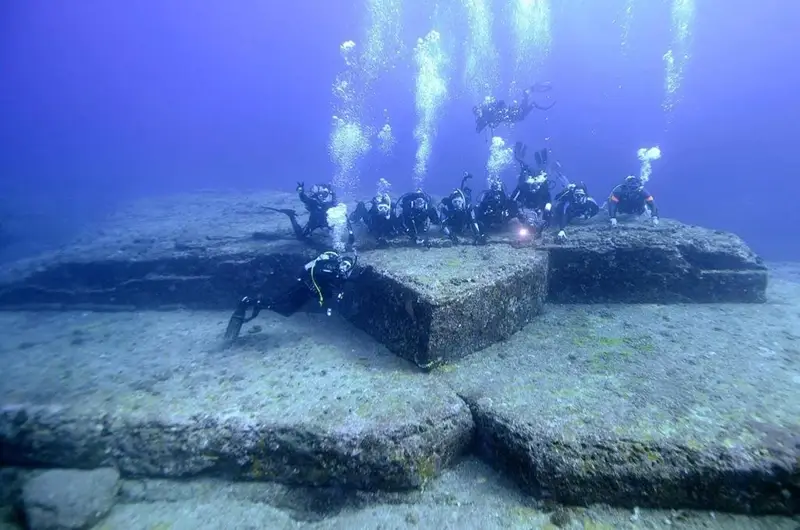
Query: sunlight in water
x,y
481,72
677,56
348,141
500,158
431,93
531,21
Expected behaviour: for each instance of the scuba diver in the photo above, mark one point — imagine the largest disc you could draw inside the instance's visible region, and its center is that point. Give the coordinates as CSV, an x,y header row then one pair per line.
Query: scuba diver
x,y
533,189
379,217
323,278
318,201
573,202
631,197
455,212
494,112
418,212
493,211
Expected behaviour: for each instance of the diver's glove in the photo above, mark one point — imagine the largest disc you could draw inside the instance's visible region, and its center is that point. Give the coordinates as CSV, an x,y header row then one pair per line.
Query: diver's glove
x,y
562,236
655,221
613,221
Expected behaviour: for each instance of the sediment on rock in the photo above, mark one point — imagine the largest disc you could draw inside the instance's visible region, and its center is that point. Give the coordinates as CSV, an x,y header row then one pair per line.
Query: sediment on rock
x,y
646,405
631,473
439,305
638,263
152,394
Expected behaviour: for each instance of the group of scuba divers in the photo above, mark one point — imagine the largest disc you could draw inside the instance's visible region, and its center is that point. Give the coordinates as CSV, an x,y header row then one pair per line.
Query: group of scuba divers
x,y
531,204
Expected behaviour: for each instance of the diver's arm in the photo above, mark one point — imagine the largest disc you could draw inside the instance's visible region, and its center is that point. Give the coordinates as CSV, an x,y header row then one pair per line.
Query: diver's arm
x,y
613,203
515,194
650,203
563,215
592,207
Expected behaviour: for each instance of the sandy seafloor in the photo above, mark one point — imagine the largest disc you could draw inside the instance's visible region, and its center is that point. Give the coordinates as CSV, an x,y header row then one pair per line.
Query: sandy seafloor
x,y
46,353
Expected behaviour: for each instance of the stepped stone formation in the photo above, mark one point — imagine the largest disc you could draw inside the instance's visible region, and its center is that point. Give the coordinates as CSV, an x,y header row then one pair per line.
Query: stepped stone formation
x,y
329,408
427,305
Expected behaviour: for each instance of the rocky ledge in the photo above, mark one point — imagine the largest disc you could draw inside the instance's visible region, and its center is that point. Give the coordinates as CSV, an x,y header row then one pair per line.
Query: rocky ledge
x,y
204,250
153,394
646,406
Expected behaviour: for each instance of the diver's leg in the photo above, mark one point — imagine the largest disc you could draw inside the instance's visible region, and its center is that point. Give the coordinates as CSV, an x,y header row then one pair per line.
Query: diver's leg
x,y
291,300
292,215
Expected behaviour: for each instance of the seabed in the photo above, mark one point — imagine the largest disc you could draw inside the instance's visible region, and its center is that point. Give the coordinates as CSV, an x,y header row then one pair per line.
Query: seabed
x,y
595,415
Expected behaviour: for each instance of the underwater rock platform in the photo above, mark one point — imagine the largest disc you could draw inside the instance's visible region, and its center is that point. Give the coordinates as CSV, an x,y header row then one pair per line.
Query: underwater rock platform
x,y
671,406
646,405
154,394
636,262
429,305
439,305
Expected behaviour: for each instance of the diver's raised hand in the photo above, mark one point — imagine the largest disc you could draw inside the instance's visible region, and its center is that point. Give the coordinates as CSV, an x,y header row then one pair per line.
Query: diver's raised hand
x,y
301,187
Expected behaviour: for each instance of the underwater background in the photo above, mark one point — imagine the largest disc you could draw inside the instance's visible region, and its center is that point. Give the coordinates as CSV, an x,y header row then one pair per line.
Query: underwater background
x,y
103,102
175,355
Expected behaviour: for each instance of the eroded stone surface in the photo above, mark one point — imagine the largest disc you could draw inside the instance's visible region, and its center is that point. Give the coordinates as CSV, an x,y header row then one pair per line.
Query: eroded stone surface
x,y
441,304
305,400
649,405
69,499
205,250
636,262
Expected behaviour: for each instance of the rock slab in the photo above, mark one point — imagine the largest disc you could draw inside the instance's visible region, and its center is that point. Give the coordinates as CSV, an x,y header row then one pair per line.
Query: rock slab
x,y
638,263
301,400
662,406
439,305
69,499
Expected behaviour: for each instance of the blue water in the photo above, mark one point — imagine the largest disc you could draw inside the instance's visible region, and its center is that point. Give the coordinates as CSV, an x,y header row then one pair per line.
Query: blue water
x,y
103,102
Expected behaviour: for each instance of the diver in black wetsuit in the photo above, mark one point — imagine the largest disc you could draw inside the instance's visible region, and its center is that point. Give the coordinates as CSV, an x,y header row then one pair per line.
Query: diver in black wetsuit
x,y
455,212
493,211
533,189
318,201
322,278
418,213
573,202
379,217
494,112
631,197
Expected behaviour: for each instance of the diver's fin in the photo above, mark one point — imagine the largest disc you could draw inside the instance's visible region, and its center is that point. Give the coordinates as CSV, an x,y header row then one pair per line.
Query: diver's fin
x,y
285,211
543,156
519,151
538,157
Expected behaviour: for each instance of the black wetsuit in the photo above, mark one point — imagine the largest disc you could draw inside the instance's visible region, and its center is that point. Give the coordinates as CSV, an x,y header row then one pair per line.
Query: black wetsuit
x,y
322,279
492,212
569,208
317,203
631,200
492,113
417,216
456,221
382,226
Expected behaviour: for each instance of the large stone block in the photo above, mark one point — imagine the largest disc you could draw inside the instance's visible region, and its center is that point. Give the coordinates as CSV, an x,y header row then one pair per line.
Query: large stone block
x,y
197,251
438,305
297,400
668,406
639,263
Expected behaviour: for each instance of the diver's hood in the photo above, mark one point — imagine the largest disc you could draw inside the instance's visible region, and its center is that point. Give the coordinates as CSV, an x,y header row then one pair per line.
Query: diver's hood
x,y
457,199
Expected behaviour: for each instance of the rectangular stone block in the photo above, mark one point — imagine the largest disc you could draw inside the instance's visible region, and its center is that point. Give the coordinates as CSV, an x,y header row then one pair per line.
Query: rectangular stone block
x,y
438,305
640,263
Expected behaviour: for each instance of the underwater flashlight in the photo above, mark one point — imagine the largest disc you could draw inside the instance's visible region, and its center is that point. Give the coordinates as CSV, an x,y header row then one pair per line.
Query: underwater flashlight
x,y
523,232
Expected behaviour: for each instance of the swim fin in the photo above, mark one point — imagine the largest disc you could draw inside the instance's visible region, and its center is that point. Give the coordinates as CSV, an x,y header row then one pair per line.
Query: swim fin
x,y
285,211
